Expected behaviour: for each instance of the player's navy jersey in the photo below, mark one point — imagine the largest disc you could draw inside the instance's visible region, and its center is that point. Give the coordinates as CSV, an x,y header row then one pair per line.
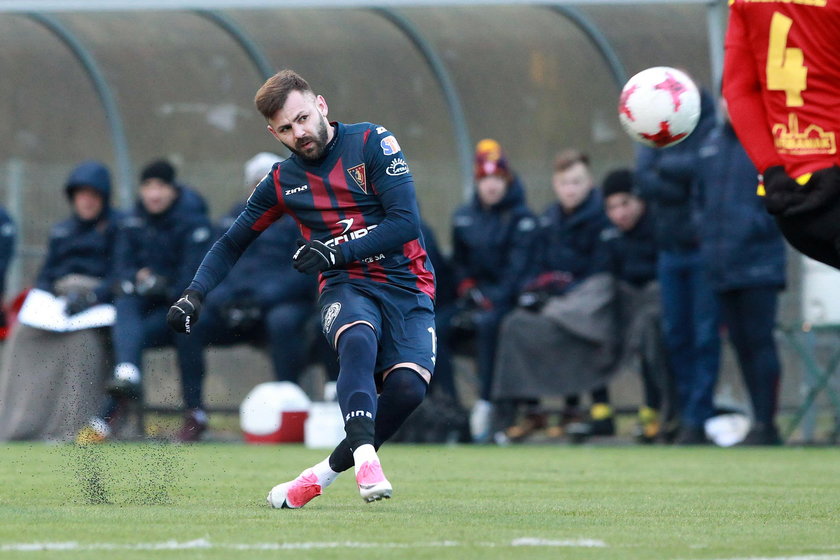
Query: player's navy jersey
x,y
781,76
359,197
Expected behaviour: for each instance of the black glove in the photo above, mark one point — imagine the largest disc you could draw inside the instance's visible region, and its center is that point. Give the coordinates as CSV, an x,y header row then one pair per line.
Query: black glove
x,y
314,257
79,301
184,312
784,196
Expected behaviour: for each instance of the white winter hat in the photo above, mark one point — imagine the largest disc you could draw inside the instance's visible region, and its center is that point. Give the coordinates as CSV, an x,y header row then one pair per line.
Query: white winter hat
x,y
258,166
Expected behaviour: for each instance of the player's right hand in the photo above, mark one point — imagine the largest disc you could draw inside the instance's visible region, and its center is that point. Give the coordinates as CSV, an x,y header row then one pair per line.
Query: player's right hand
x,y
184,313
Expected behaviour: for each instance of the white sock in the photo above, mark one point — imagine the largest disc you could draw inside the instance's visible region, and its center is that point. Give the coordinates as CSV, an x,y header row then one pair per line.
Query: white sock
x,y
325,474
127,371
364,454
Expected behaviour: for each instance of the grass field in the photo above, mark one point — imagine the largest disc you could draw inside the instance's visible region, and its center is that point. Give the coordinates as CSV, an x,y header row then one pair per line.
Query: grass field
x,y
624,502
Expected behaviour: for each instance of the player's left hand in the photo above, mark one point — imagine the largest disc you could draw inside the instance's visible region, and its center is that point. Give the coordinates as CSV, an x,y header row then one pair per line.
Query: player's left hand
x,y
314,257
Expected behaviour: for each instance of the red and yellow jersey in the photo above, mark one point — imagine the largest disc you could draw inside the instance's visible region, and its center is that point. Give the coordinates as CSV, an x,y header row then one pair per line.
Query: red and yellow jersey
x,y
782,81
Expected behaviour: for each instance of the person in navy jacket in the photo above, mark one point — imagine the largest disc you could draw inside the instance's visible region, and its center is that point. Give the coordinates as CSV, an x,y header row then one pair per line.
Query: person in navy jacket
x,y
264,300
745,258
491,239
49,379
8,233
159,247
667,180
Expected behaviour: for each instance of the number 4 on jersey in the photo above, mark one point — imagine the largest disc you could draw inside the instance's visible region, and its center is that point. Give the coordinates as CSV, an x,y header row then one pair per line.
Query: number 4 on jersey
x,y
786,70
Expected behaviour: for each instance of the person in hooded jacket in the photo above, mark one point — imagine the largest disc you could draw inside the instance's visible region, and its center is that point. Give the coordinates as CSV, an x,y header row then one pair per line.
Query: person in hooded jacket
x,y
8,233
667,179
159,249
745,257
491,240
48,385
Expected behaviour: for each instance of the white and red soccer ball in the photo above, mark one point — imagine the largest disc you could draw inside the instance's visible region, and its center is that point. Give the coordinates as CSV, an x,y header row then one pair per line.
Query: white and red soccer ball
x,y
659,107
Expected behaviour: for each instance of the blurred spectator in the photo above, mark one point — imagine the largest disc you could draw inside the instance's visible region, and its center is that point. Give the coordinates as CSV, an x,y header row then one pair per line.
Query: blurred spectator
x,y
159,249
264,300
8,232
491,239
631,243
50,379
745,256
667,179
561,340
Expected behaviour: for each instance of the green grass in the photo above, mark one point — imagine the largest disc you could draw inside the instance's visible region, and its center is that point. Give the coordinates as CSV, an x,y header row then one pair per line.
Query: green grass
x,y
449,502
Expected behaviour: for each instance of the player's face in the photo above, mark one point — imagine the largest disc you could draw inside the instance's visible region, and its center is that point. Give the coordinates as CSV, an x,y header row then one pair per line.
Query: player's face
x,y
491,189
157,196
624,210
302,125
572,185
87,203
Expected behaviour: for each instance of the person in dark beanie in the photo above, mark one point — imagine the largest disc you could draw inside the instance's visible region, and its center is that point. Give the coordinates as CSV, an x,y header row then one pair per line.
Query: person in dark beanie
x,y
631,244
491,240
159,249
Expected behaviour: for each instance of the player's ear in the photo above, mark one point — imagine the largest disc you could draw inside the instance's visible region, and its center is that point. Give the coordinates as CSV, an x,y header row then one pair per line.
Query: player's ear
x,y
321,103
272,131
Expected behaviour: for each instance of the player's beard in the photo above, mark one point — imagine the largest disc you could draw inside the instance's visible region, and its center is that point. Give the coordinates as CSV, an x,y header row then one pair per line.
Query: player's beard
x,y
319,142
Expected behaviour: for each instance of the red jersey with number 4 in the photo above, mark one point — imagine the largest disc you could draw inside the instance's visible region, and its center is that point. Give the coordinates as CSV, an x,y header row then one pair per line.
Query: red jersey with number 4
x,y
782,81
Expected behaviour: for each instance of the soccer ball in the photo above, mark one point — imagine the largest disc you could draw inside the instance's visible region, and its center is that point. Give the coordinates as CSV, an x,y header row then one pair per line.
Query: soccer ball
x,y
659,107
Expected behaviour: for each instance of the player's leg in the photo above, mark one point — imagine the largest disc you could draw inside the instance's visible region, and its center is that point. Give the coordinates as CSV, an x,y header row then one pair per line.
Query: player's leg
x,y
813,237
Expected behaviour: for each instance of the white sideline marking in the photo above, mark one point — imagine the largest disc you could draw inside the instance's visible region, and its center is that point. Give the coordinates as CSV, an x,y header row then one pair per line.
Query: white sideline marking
x,y
205,544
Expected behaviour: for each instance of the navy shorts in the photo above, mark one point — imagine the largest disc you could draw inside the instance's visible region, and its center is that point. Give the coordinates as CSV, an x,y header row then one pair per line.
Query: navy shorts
x,y
404,321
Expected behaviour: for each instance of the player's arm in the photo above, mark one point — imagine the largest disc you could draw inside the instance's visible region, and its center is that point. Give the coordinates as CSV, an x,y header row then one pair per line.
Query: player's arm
x,y
744,96
262,210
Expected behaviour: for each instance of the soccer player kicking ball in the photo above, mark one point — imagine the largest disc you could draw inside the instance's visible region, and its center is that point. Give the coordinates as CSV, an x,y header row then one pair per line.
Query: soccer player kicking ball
x,y
782,85
349,188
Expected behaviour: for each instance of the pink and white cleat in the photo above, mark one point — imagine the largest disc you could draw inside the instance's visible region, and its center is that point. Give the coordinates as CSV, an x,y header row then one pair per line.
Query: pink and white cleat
x,y
372,482
295,493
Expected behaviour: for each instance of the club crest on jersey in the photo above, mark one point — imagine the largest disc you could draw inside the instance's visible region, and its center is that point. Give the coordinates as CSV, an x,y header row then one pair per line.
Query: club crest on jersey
x,y
358,175
329,314
389,145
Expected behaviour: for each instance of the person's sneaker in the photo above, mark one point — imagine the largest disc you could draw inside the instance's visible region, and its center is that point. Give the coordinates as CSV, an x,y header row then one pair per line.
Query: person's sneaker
x,y
96,430
195,424
647,427
601,423
372,482
526,427
762,435
295,493
481,420
689,435
124,388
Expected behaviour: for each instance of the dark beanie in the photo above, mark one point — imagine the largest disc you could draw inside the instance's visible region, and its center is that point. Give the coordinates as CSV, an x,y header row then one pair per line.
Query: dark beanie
x,y
158,169
618,181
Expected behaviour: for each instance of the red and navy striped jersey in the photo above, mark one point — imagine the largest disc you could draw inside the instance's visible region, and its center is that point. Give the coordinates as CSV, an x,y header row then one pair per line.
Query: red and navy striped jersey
x,y
359,197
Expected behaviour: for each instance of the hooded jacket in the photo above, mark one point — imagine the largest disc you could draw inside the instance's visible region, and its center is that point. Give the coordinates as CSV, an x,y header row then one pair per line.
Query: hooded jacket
x,y
84,247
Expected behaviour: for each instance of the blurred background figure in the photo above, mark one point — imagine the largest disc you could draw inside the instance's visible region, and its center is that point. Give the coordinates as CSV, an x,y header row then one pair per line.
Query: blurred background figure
x,y
745,256
264,301
50,382
8,233
667,179
631,244
560,341
159,249
491,237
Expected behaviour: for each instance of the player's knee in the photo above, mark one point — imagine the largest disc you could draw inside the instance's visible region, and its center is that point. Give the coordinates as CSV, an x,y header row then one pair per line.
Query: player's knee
x,y
407,385
357,338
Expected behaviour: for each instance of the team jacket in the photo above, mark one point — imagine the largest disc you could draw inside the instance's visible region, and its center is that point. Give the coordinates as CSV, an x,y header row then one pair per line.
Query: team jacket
x,y
492,246
170,244
358,197
782,81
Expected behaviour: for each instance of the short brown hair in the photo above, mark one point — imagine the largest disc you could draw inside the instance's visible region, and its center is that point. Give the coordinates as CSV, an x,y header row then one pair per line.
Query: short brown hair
x,y
272,95
568,158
